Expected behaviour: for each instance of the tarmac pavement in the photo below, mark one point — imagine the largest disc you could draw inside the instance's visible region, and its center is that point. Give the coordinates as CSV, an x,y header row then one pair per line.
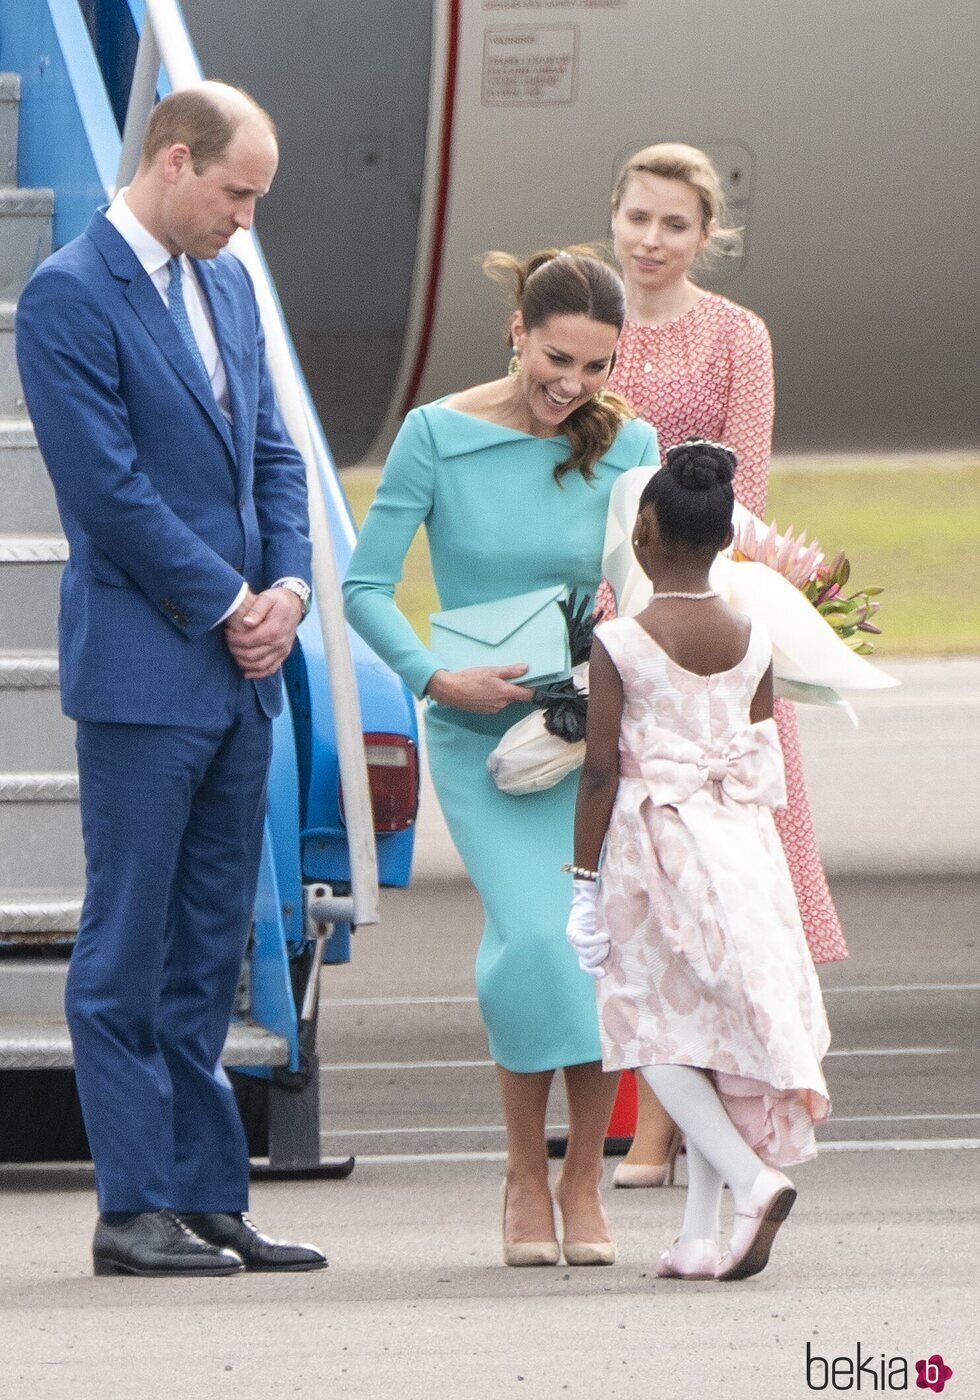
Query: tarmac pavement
x,y
880,1252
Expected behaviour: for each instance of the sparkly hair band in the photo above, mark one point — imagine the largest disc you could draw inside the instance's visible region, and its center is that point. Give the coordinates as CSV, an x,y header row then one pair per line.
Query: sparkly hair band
x,y
560,254
701,442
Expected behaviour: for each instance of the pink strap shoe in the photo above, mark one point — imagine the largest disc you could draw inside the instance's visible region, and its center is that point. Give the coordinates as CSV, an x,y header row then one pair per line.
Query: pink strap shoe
x,y
756,1222
694,1259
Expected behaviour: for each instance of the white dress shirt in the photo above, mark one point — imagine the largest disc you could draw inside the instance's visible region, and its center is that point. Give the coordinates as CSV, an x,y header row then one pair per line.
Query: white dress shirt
x,y
153,258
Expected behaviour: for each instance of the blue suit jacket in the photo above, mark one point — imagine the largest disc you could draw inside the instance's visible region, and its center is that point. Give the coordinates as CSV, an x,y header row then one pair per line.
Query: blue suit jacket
x,y
167,507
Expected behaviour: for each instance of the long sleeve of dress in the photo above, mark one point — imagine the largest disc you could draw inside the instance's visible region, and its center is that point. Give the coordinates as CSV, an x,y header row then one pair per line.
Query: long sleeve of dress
x,y
402,503
748,418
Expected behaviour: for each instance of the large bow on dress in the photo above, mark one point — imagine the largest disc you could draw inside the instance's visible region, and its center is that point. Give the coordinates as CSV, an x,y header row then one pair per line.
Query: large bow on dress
x,y
748,767
705,896
708,878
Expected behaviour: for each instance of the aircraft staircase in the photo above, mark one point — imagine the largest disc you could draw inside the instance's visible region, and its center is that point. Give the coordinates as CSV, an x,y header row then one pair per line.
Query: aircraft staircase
x,y
42,866
320,864
41,861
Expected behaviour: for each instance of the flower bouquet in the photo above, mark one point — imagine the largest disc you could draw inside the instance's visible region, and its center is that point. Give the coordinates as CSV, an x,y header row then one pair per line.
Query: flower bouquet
x,y
812,661
819,637
820,583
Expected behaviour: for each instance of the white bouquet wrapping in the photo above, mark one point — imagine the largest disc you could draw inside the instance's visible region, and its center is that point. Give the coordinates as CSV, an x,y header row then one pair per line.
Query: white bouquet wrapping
x,y
529,759
811,663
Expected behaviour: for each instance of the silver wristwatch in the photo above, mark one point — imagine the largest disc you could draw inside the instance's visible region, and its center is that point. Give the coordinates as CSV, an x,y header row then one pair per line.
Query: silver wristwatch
x,y
297,586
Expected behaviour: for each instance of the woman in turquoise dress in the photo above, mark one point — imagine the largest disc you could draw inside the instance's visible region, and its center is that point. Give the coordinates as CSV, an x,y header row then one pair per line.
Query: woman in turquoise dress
x,y
511,480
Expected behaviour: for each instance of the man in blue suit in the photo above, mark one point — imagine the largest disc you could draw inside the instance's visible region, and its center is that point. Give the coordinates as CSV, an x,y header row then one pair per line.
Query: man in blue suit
x,y
184,504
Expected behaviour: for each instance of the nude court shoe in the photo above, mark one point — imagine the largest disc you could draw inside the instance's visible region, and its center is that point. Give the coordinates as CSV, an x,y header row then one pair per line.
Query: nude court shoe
x,y
693,1259
634,1174
522,1254
756,1222
583,1253
589,1251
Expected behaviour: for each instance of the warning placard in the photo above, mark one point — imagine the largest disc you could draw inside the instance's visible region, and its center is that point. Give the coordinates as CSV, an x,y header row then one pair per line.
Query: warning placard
x,y
530,66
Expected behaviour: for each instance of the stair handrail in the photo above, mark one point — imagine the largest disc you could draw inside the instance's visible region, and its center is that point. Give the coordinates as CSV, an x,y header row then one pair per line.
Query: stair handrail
x,y
165,41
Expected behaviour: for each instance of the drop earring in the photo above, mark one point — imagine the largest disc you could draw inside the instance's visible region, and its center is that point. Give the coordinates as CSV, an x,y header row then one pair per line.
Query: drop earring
x,y
514,367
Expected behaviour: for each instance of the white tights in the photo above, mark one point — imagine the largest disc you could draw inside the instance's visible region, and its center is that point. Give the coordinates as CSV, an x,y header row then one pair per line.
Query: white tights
x,y
716,1151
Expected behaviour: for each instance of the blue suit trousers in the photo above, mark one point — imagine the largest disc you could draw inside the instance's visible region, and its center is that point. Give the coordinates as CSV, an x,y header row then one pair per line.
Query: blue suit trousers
x,y
172,820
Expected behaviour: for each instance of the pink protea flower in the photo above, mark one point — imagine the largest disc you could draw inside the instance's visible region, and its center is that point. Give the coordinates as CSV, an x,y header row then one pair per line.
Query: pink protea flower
x,y
822,584
793,558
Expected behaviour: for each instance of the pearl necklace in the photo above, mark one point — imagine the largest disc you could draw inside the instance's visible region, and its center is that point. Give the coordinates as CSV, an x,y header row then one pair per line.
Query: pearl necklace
x,y
693,597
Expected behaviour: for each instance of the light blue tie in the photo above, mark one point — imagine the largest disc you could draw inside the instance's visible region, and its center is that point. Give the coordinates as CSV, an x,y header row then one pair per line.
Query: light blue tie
x,y
178,310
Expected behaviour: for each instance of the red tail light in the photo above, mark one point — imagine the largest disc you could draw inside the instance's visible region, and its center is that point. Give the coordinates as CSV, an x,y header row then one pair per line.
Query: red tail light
x,y
393,776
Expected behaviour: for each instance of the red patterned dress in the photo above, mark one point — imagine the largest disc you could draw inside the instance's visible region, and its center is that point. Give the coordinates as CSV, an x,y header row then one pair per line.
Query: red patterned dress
x,y
708,373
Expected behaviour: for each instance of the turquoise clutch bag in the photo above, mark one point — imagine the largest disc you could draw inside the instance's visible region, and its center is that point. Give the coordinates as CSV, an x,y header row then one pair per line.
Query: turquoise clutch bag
x,y
530,627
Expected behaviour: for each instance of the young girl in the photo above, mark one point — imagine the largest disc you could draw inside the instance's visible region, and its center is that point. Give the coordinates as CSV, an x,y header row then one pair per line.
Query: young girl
x,y
706,985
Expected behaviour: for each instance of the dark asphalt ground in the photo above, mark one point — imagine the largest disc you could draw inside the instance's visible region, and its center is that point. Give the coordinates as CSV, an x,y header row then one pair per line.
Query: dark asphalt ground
x,y
880,1252
405,1054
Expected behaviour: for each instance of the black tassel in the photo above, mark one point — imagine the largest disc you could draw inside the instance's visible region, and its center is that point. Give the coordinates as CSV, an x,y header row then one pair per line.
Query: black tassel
x,y
580,626
565,710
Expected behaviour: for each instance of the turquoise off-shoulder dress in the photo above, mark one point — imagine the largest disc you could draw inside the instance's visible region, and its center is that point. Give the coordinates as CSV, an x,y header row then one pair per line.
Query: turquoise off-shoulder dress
x,y
498,524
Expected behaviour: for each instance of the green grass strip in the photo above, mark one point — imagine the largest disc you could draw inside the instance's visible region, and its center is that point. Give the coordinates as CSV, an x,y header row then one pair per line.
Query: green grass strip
x,y
915,531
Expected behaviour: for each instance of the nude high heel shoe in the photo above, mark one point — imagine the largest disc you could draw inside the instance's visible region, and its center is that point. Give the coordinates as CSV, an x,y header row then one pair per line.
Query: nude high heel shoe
x,y
585,1253
635,1174
756,1222
589,1252
523,1254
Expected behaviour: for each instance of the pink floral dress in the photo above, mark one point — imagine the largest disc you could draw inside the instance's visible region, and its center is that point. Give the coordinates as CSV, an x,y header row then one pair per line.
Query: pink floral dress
x,y
709,373
708,964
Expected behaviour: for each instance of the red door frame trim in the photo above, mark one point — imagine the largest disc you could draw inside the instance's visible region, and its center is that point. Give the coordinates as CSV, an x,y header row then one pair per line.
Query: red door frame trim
x,y
442,203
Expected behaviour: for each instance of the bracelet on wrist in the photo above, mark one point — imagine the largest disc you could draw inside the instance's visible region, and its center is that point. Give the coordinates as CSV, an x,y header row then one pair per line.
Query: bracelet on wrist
x,y
581,873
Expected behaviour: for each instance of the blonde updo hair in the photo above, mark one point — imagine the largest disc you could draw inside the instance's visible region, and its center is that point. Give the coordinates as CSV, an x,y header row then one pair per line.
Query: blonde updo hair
x,y
672,160
573,281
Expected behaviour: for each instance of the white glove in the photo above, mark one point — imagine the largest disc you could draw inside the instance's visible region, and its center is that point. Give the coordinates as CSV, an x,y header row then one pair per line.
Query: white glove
x,y
592,948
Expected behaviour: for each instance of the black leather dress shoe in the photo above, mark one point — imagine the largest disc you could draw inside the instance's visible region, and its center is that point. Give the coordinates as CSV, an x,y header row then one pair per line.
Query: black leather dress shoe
x,y
259,1252
156,1244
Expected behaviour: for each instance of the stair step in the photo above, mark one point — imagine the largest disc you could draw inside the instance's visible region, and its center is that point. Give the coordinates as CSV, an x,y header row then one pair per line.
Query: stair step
x,y
33,988
28,203
34,734
40,832
44,1043
38,787
25,236
41,843
39,911
9,110
28,497
29,596
33,549
11,392
28,670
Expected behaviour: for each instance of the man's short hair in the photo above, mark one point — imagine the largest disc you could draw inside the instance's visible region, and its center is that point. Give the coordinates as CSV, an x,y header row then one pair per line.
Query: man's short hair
x,y
193,118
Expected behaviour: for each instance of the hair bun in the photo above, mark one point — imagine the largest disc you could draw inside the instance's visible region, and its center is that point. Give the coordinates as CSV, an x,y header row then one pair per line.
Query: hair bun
x,y
698,464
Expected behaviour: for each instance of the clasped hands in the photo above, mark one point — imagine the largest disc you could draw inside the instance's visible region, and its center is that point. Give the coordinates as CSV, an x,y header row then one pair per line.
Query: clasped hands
x,y
592,947
261,630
